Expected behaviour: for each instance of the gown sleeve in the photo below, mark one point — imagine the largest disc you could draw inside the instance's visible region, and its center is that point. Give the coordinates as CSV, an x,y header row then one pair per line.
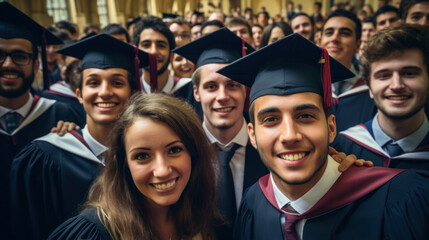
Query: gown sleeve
x,y
83,226
407,214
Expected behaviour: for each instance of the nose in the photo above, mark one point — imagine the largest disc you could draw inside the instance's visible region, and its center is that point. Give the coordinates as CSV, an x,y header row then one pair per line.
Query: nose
x,y
222,93
289,133
105,90
162,167
8,62
396,82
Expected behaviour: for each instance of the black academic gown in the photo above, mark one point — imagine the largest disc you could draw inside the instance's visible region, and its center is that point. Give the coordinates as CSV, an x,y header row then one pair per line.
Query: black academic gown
x,y
64,94
44,114
86,225
50,179
187,93
362,204
353,107
359,140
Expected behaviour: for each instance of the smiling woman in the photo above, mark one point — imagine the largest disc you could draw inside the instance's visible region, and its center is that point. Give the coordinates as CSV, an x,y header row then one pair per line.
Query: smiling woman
x,y
158,180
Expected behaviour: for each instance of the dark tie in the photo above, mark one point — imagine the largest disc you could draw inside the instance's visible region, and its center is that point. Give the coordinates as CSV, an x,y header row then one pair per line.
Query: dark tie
x,y
227,204
393,149
291,221
12,120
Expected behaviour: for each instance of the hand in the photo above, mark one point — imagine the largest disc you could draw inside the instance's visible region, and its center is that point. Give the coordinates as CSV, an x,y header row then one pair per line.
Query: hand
x,y
64,127
347,161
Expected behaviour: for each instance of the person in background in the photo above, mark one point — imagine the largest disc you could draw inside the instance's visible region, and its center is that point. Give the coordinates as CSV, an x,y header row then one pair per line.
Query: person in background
x,y
196,31
257,35
274,32
241,28
130,26
415,11
368,29
117,31
69,28
385,17
217,15
158,180
181,31
210,26
262,18
302,24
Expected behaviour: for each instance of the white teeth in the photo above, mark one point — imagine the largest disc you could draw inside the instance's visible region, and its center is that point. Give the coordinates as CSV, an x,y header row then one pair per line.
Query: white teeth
x,y
164,185
106,105
224,109
10,75
398,98
292,157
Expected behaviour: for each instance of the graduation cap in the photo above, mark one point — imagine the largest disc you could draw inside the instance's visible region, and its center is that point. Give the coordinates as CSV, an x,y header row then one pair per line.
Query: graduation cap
x,y
16,24
104,51
198,13
288,66
168,16
221,46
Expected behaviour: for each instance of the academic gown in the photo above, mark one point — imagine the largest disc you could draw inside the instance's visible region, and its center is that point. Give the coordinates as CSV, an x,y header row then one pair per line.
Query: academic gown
x,y
359,140
43,115
50,179
64,94
353,107
362,204
187,93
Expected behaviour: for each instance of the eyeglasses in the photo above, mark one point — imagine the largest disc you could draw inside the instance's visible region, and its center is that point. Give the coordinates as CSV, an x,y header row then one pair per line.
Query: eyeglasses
x,y
18,57
183,36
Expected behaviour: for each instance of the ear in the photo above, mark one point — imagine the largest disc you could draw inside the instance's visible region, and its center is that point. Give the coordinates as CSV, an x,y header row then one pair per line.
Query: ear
x,y
171,57
36,65
79,95
370,91
251,132
332,128
196,94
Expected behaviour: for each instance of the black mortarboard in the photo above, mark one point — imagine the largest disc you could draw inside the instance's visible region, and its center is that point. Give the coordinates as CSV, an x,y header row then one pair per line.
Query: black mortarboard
x,y
198,13
221,46
290,65
104,51
16,24
166,16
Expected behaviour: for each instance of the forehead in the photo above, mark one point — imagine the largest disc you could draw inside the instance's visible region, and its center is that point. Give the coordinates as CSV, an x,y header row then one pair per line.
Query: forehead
x,y
419,7
386,15
340,22
406,58
292,100
367,25
13,44
105,72
151,35
236,27
300,20
178,27
208,73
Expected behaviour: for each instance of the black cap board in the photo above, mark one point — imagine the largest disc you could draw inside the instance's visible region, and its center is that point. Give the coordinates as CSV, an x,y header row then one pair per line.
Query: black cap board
x,y
287,66
221,46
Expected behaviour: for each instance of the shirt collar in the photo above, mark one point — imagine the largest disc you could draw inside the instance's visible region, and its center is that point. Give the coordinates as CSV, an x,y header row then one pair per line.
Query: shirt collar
x,y
241,138
97,148
167,88
408,143
23,111
310,198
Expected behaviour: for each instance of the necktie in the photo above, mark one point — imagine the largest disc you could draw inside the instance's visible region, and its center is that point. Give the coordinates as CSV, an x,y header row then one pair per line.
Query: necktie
x,y
393,149
12,120
291,221
227,204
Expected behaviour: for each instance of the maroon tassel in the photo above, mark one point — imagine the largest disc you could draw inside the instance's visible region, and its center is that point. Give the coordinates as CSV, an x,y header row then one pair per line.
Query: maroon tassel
x,y
153,73
136,69
326,81
46,82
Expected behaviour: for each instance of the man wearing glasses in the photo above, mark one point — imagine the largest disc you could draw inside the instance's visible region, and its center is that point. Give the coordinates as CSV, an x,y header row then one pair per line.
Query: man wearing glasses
x,y
23,116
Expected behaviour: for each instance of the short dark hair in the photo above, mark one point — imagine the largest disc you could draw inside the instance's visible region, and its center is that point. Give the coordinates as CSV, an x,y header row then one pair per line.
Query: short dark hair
x,y
211,23
239,21
66,25
405,6
268,29
369,20
90,28
383,10
265,13
349,15
392,40
114,28
302,14
318,4
156,24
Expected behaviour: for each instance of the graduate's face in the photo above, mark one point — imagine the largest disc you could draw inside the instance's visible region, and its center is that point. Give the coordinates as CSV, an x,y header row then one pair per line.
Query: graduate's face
x,y
182,67
292,135
159,161
104,94
399,84
156,43
15,79
222,99
339,38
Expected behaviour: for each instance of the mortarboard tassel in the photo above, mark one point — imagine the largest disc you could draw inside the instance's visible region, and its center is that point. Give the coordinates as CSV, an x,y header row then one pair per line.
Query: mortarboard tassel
x,y
46,83
153,73
136,69
326,80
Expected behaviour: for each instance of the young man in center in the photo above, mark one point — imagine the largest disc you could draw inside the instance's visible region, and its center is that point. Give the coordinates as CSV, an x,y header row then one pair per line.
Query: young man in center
x,y
304,196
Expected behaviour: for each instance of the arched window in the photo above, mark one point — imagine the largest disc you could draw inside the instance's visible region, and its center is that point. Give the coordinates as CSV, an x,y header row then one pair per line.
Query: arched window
x,y
57,9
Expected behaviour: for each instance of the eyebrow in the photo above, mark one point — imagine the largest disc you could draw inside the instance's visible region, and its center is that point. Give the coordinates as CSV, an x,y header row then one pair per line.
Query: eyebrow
x,y
403,68
145,148
297,108
268,110
113,75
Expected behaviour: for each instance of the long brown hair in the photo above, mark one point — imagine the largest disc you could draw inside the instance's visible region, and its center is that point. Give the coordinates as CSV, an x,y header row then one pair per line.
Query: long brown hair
x,y
119,203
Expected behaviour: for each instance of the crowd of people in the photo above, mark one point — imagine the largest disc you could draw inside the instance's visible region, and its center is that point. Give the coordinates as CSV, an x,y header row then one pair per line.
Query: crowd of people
x,y
240,126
